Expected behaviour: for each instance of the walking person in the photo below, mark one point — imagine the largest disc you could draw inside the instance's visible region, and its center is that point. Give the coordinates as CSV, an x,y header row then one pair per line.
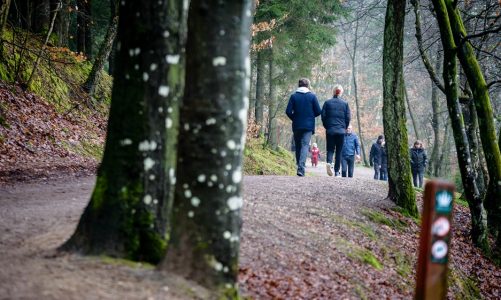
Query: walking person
x,y
350,152
383,172
336,118
302,109
315,155
418,163
375,156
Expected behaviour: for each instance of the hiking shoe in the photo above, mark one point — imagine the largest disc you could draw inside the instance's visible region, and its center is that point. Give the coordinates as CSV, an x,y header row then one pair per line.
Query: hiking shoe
x,y
329,169
338,174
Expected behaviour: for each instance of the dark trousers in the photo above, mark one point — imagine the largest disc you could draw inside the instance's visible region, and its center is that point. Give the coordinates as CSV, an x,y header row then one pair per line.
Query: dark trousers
x,y
377,169
417,178
335,143
347,164
302,141
383,174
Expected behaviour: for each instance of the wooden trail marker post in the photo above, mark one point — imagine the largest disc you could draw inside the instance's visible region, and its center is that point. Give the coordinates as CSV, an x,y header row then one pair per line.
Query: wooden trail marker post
x,y
434,240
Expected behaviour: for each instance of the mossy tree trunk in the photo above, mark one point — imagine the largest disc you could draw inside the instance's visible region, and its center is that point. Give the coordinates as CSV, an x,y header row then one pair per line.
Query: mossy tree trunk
x,y
435,123
483,107
459,131
102,56
401,190
260,89
206,217
128,212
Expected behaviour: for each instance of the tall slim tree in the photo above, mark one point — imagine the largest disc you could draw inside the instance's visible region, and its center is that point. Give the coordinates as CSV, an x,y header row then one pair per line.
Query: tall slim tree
x,y
260,89
401,190
61,28
84,22
4,12
483,107
128,210
451,86
206,218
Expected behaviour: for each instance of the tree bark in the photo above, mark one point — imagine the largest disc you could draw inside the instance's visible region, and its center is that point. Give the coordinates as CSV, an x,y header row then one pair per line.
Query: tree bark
x,y
207,207
435,123
41,16
272,139
260,90
62,25
84,34
411,114
401,190
102,56
128,212
4,12
462,147
483,107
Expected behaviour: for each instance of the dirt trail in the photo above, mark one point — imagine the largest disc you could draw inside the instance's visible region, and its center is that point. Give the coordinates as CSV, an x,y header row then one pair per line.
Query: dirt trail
x,y
304,238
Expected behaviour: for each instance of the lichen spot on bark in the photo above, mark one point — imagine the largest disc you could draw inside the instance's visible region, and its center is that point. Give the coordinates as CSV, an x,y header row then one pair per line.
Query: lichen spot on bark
x,y
147,199
169,110
137,51
187,194
201,178
210,121
136,67
168,123
235,202
191,214
147,145
153,67
146,76
152,177
163,91
148,163
172,59
195,201
126,142
228,167
223,153
231,144
227,235
222,32
219,61
213,177
237,176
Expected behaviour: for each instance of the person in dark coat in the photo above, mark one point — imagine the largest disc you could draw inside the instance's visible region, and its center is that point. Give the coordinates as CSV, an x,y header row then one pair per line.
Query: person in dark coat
x,y
418,163
302,109
383,172
336,118
375,158
350,152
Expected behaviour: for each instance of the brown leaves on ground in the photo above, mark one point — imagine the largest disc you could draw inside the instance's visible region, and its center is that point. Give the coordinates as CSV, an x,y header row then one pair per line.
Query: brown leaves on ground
x,y
37,141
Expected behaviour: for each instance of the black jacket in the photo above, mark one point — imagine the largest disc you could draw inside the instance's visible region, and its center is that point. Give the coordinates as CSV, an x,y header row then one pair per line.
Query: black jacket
x,y
384,158
336,115
375,156
418,159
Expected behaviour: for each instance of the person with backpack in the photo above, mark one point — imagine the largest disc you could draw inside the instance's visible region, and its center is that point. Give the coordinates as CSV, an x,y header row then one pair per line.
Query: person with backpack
x,y
302,109
375,156
350,152
419,161
336,118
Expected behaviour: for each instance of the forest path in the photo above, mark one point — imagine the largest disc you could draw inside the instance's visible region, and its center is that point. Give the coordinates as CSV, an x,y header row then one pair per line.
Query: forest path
x,y
307,237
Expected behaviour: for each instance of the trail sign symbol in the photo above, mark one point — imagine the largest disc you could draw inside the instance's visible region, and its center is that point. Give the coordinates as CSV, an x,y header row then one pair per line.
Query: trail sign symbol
x,y
441,227
439,249
443,203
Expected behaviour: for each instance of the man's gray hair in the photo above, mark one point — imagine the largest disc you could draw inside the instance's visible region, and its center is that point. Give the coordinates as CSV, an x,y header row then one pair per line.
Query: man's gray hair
x,y
338,90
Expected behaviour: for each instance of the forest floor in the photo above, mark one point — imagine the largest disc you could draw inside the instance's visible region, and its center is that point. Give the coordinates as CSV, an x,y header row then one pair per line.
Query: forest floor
x,y
313,237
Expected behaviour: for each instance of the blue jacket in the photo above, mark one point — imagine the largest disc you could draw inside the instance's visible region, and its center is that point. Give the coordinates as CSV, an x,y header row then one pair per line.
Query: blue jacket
x,y
302,109
336,115
351,145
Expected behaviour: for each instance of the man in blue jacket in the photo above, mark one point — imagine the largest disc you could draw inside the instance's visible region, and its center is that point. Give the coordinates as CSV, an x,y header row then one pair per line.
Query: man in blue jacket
x,y
351,150
336,118
302,109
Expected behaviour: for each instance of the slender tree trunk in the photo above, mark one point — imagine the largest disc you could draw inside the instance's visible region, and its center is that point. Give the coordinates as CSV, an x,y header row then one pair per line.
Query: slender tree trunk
x,y
272,140
88,38
206,214
128,212
355,86
483,107
445,154
84,39
462,147
4,12
252,88
401,190
260,90
411,114
41,16
102,56
435,123
62,22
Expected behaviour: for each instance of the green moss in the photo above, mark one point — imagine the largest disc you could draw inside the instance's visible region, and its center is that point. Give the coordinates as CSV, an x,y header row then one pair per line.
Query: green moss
x,y
463,287
403,264
98,194
261,160
125,262
380,218
359,291
365,256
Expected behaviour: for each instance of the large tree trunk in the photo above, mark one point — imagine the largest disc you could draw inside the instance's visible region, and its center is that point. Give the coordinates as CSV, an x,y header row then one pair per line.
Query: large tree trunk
x,y
128,211
206,218
483,106
462,147
102,56
260,90
401,190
